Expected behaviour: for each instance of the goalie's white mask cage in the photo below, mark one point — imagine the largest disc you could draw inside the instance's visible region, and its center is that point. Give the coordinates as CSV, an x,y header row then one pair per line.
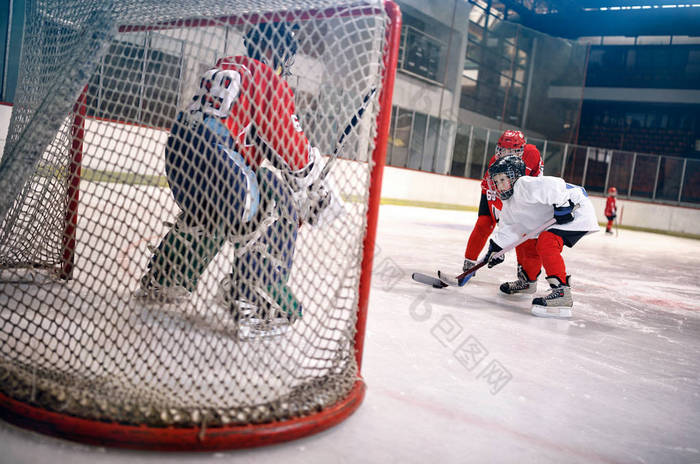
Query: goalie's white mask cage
x,y
125,319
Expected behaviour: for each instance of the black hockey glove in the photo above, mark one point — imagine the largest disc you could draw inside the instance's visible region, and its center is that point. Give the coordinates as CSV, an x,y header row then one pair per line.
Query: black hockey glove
x,y
493,249
564,214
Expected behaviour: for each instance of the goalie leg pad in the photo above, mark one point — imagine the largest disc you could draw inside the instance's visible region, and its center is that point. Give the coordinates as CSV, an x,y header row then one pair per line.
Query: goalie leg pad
x,y
263,271
183,255
209,180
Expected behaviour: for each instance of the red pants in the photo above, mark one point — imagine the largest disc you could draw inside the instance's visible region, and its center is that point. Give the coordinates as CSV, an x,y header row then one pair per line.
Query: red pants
x,y
542,251
480,234
532,254
608,228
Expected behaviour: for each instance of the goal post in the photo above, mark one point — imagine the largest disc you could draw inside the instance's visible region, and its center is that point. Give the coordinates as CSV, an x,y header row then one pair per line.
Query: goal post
x,y
263,340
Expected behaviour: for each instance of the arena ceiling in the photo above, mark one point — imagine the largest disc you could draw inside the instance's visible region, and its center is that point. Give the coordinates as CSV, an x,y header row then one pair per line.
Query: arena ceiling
x,y
577,18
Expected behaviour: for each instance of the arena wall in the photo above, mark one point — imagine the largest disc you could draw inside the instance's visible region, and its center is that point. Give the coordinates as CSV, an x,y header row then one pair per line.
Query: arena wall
x,y
406,186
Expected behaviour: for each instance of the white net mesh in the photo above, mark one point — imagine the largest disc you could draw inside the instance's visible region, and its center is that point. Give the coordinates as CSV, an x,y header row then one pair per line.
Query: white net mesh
x,y
170,252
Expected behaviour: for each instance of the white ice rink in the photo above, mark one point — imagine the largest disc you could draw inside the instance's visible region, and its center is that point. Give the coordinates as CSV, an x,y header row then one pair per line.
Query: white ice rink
x,y
465,375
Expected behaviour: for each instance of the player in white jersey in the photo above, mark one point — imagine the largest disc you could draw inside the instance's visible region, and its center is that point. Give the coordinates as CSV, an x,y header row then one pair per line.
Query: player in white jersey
x,y
528,202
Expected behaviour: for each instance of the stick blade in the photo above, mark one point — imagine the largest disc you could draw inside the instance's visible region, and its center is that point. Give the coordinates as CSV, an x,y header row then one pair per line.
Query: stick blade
x,y
428,280
448,279
465,279
458,281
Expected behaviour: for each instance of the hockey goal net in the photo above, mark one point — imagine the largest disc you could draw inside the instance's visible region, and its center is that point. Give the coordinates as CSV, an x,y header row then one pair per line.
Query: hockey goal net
x,y
89,350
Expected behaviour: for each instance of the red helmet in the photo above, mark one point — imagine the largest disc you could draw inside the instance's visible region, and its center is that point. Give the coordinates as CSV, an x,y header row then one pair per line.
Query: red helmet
x,y
511,142
612,191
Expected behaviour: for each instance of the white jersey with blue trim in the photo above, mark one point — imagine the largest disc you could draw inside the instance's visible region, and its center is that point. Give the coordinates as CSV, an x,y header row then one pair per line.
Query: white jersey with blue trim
x,y
532,204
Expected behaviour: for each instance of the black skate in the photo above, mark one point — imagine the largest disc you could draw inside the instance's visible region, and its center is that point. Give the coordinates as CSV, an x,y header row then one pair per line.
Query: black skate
x,y
523,285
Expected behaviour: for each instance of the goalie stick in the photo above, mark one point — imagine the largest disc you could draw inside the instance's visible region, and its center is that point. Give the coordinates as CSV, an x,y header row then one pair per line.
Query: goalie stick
x,y
320,179
279,163
351,125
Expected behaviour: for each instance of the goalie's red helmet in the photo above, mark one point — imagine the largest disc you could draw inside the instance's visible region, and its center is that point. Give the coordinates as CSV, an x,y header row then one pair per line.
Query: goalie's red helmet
x,y
511,142
612,191
513,167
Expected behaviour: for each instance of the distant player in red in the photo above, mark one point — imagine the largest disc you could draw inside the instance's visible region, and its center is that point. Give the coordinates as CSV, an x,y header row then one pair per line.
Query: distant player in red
x,y
610,209
511,142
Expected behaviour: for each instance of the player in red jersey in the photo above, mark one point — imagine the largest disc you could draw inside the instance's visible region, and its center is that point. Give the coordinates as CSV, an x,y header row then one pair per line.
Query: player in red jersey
x,y
610,209
242,114
511,142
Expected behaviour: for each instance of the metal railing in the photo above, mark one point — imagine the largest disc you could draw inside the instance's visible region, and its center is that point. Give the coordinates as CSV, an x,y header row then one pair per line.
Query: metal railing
x,y
640,176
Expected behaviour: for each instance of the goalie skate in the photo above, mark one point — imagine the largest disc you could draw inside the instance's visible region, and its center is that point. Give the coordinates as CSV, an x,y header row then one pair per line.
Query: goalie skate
x,y
227,297
151,294
259,316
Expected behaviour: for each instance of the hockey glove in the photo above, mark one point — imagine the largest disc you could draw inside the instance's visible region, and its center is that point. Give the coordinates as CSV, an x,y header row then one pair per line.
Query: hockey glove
x,y
468,264
319,199
564,214
493,249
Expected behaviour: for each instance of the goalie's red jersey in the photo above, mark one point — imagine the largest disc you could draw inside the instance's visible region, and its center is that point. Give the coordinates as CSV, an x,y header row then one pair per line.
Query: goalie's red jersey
x,y
533,167
264,108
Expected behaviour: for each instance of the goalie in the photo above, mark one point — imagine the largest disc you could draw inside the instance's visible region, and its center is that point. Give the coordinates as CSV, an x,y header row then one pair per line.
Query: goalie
x,y
242,115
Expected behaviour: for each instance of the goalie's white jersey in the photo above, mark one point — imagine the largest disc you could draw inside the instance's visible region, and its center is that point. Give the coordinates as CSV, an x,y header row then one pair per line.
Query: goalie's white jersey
x,y
532,204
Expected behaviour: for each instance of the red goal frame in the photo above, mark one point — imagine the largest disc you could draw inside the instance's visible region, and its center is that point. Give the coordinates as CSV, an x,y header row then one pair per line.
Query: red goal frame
x,y
234,436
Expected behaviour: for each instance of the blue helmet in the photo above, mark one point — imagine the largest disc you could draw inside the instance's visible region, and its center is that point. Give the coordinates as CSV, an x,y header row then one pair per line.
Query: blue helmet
x,y
278,39
513,167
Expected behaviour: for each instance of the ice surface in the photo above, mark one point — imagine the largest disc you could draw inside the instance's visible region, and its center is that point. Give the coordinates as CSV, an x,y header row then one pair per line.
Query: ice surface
x,y
466,375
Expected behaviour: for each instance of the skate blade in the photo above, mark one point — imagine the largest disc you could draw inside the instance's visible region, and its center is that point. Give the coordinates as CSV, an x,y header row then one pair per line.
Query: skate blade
x,y
147,301
515,296
251,325
543,311
177,317
263,328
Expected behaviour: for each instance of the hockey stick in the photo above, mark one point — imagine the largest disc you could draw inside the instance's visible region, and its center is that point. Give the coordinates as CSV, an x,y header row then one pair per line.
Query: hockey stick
x,y
351,125
428,280
617,222
443,280
462,279
279,163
